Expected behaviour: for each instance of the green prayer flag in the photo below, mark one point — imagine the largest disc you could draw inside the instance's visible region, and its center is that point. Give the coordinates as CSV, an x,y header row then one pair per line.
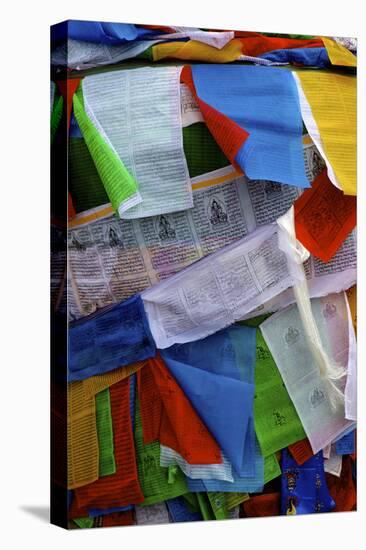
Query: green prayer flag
x,y
233,499
299,36
205,506
202,152
218,505
272,468
107,464
222,503
254,321
147,54
192,502
157,483
56,115
119,184
276,421
85,185
84,523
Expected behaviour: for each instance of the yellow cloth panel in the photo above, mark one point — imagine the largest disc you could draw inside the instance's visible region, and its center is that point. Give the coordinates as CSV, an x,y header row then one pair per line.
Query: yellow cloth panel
x,y
352,300
82,438
197,51
100,382
332,98
338,54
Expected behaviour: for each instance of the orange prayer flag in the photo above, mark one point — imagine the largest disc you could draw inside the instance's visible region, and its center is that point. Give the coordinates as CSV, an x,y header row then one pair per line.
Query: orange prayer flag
x,y
324,216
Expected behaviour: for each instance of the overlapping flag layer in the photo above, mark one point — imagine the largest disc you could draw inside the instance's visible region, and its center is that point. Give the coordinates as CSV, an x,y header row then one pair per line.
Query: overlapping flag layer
x,y
211,273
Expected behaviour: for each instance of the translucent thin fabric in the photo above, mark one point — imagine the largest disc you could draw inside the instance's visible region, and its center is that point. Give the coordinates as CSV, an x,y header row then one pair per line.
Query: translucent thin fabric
x,y
285,336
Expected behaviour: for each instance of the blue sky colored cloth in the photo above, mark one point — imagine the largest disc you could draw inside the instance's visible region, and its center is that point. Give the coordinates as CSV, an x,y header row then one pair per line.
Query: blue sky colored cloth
x,y
346,431
309,57
179,511
221,353
346,445
110,338
106,33
217,377
273,151
111,34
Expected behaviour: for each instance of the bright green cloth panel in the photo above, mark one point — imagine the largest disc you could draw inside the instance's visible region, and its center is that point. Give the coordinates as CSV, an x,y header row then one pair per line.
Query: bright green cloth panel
x,y
118,182
157,483
222,503
276,421
299,36
218,505
84,523
255,321
272,468
107,464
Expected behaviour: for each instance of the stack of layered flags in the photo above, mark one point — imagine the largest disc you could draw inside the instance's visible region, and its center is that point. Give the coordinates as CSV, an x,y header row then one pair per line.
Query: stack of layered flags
x,y
209,283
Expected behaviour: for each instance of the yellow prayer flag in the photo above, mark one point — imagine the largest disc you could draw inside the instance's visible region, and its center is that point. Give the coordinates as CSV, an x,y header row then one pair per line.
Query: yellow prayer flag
x,y
352,301
338,54
198,51
100,382
332,101
82,438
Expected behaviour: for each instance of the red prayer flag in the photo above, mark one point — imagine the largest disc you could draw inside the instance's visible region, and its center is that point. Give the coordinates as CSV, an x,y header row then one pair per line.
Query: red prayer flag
x,y
228,134
168,416
342,489
263,505
67,89
259,44
301,451
123,487
324,216
116,518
